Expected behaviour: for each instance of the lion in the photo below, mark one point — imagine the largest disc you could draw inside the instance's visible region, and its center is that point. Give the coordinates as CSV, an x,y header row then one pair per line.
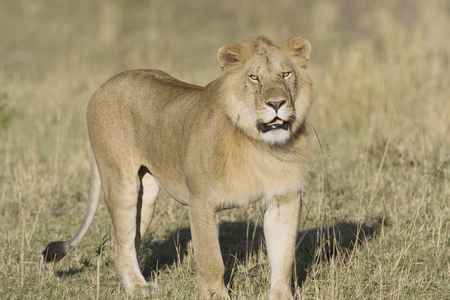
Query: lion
x,y
240,139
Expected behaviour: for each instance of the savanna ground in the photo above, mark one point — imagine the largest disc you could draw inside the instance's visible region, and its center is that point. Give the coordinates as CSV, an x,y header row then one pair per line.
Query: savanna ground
x,y
376,218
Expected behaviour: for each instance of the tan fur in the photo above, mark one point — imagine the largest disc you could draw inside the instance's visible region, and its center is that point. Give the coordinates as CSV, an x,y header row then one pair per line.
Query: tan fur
x,y
204,147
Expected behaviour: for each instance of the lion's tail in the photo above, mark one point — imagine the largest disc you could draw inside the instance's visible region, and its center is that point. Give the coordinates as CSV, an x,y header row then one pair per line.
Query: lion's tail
x,y
55,251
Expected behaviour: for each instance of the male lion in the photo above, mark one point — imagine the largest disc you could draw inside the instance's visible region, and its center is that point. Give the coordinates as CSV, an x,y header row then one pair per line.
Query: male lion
x,y
240,139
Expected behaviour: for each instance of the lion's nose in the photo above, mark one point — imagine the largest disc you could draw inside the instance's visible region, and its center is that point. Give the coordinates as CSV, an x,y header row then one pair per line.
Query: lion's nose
x,y
276,104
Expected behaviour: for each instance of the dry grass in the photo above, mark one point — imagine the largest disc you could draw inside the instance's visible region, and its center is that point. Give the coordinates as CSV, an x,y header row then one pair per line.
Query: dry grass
x,y
376,221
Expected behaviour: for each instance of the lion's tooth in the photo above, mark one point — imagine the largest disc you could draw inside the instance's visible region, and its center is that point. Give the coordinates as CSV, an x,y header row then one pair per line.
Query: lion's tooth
x,y
276,121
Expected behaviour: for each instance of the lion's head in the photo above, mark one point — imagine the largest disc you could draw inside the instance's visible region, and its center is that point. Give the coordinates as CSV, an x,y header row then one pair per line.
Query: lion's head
x,y
267,90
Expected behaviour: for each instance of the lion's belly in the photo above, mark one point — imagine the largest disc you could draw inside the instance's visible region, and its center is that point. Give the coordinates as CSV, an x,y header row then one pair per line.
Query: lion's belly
x,y
168,175
177,194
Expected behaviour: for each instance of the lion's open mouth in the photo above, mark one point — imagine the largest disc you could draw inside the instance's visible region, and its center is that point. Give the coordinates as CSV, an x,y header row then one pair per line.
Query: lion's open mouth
x,y
276,123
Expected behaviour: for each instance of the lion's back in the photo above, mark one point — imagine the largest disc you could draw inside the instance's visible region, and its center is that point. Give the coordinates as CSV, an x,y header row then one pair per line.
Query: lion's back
x,y
142,93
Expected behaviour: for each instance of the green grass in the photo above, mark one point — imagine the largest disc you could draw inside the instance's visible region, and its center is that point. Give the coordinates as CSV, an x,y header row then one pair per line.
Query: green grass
x,y
376,218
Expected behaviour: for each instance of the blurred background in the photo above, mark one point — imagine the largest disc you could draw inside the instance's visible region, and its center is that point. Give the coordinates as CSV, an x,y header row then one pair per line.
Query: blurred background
x,y
393,55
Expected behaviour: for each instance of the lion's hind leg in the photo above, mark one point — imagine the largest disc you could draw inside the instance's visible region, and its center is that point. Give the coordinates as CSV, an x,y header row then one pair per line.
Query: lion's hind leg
x,y
121,191
148,193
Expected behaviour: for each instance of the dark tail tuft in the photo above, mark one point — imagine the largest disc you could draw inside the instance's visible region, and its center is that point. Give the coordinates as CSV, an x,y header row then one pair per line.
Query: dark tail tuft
x,y
55,251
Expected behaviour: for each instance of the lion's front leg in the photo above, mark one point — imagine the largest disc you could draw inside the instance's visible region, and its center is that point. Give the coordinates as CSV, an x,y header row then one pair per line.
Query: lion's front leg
x,y
281,223
205,238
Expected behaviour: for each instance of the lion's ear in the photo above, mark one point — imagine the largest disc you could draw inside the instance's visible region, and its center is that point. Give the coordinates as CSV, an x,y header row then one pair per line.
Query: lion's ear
x,y
298,49
229,55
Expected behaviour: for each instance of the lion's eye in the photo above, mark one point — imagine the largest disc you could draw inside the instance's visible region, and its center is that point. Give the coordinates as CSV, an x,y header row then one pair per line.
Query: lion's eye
x,y
254,78
286,74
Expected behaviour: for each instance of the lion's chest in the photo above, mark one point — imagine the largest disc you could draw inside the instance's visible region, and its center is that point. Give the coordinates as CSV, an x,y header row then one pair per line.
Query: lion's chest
x,y
253,174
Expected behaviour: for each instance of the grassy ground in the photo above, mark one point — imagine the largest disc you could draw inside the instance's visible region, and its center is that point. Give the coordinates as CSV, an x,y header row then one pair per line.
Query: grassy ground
x,y
376,219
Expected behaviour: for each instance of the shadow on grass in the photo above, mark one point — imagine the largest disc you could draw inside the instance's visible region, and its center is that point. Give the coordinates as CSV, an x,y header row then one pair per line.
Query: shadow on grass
x,y
155,255
70,272
319,245
238,239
